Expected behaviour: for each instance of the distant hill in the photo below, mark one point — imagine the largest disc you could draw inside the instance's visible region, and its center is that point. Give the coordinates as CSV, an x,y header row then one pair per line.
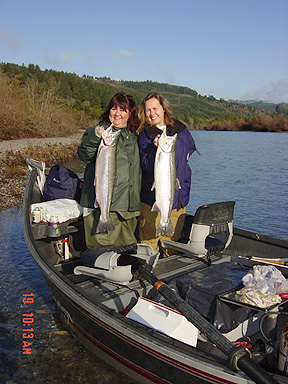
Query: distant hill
x,y
187,104
89,96
272,107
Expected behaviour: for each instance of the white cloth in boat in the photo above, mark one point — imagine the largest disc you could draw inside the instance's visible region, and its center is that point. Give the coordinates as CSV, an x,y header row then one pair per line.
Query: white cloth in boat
x,y
65,209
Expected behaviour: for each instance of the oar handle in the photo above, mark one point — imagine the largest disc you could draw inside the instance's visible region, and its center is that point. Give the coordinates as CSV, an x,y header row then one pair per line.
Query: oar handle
x,y
254,371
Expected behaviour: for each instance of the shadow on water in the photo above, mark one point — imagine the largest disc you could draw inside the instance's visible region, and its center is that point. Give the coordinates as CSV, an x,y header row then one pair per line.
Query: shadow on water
x,y
56,357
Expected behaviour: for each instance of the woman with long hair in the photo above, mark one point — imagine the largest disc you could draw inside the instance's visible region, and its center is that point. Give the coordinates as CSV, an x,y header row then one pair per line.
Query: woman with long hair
x,y
155,116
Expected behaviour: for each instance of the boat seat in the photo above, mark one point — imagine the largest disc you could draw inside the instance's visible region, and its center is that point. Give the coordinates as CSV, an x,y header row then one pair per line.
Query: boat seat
x,y
116,264
211,230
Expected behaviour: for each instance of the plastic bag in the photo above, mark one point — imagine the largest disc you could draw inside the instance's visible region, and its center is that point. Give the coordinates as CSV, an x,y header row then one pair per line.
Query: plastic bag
x,y
265,279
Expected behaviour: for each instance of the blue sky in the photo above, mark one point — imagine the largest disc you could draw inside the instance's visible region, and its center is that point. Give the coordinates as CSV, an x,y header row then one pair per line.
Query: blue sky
x,y
232,49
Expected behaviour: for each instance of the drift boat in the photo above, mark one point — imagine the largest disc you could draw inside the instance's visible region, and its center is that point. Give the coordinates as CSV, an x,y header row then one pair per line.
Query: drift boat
x,y
164,320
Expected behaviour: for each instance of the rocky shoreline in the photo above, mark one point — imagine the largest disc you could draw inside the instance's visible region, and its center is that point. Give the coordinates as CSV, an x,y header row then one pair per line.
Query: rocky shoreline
x,y
12,192
12,188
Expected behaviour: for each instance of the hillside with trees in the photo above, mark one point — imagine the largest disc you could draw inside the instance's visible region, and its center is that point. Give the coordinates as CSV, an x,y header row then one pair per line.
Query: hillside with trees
x,y
42,103
279,108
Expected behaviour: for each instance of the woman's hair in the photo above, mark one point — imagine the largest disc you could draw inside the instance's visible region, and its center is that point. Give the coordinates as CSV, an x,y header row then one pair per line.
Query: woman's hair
x,y
165,105
126,102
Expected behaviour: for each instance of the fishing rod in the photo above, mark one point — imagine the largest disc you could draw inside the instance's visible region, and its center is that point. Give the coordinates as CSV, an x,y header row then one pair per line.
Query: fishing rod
x,y
277,262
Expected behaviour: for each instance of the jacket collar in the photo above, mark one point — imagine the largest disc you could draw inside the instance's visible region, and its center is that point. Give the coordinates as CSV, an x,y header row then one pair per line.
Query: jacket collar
x,y
152,131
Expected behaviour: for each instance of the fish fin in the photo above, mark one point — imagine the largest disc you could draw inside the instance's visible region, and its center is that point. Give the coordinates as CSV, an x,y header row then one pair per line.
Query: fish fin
x,y
159,231
178,185
105,226
153,186
169,229
164,229
155,208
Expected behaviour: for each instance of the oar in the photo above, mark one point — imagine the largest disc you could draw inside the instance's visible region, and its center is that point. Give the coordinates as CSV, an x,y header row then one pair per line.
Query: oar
x,y
238,357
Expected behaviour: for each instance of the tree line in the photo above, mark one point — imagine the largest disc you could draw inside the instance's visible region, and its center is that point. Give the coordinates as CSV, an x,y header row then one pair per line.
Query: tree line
x,y
45,99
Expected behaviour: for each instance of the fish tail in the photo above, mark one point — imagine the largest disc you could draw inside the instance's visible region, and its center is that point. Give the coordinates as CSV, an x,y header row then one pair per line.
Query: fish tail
x,y
169,229
159,231
104,226
164,229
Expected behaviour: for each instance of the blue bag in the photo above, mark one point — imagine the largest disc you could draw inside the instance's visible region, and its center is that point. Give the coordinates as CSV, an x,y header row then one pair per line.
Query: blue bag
x,y
62,183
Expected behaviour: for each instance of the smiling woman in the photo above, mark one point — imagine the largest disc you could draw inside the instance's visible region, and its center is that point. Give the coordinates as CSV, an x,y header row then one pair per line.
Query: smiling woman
x,y
118,116
156,129
110,151
154,112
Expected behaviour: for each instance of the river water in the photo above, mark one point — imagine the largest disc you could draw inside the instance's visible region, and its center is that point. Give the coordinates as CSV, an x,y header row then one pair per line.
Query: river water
x,y
249,168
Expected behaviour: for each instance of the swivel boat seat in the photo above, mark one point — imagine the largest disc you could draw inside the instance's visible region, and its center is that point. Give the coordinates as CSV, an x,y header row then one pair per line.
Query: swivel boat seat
x,y
211,231
116,263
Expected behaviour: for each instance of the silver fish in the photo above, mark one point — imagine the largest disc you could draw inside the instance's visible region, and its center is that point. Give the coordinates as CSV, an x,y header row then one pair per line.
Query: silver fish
x,y
105,171
165,182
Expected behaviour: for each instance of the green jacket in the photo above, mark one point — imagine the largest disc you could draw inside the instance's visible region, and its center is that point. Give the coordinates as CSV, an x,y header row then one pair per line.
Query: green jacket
x,y
126,193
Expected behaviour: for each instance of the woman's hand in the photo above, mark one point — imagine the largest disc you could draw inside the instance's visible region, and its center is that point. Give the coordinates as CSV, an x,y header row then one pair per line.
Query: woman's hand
x,y
98,131
156,140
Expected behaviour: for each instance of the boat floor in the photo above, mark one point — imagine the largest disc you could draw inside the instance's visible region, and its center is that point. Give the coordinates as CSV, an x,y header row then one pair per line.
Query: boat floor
x,y
120,297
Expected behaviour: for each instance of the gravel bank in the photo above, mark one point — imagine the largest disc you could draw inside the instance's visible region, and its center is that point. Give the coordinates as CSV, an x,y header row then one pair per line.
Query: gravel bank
x,y
12,189
23,144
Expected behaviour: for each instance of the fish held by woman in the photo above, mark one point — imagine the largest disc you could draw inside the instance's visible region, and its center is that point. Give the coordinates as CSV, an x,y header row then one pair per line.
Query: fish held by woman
x,y
105,171
165,182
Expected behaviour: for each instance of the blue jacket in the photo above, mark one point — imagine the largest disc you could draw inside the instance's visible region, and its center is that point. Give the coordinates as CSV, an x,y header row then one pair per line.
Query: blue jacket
x,y
185,146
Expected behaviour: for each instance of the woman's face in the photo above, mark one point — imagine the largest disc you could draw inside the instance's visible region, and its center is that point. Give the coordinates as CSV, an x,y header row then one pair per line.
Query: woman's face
x,y
118,116
154,112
